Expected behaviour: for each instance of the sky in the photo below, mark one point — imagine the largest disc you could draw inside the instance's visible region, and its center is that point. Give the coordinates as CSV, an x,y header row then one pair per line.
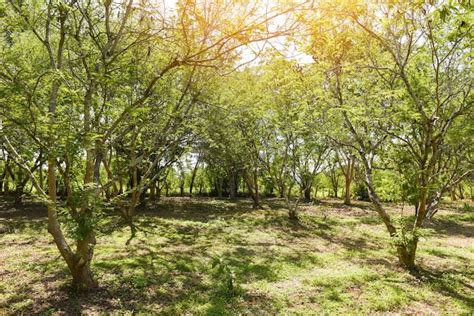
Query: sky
x,y
289,51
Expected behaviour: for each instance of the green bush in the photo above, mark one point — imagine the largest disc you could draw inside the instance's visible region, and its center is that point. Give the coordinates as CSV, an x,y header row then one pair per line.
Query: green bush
x,y
361,192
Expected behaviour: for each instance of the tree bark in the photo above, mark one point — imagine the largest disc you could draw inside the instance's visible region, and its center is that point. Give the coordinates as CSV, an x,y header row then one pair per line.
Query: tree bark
x,y
219,187
82,274
41,177
348,176
232,184
167,189
347,190
79,262
193,176
407,253
252,186
307,193
282,191
6,182
19,192
153,191
461,192
158,190
2,177
120,181
453,194
334,181
376,200
293,214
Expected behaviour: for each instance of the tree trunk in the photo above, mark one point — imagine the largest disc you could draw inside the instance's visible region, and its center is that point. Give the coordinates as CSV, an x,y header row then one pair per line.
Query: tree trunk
x,y
81,269
219,187
347,189
19,192
110,177
407,254
129,213
422,209
120,181
293,208
257,194
6,185
347,169
158,190
153,191
288,192
232,185
307,193
255,199
40,171
293,214
82,274
4,174
461,192
252,186
282,191
79,263
375,198
453,194
129,210
193,176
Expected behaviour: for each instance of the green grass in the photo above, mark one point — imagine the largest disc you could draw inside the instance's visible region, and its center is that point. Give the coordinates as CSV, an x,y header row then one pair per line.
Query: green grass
x,y
336,260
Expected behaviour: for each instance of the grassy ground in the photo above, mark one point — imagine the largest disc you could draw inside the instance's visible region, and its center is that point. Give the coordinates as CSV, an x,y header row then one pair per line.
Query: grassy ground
x,y
337,260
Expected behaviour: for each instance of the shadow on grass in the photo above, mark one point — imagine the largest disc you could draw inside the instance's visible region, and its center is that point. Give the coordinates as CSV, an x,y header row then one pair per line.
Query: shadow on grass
x,y
197,209
175,276
150,281
453,227
449,282
27,210
367,206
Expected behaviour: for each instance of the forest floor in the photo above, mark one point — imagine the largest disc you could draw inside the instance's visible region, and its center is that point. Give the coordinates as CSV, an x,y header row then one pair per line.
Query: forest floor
x,y
337,259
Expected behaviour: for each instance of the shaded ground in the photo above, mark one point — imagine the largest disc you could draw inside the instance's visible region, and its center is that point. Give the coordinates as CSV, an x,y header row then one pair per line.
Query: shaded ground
x,y
338,259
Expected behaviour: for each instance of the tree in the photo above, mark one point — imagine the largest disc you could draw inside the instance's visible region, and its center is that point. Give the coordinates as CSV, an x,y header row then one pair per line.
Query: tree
x,y
290,146
436,83
415,87
347,164
81,71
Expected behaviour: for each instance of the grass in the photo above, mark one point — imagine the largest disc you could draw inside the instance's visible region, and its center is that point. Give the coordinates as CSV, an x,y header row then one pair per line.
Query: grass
x,y
338,259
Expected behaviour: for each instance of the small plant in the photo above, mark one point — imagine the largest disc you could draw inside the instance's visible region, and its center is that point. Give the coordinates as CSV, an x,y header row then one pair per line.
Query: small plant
x,y
325,213
404,237
226,275
467,208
